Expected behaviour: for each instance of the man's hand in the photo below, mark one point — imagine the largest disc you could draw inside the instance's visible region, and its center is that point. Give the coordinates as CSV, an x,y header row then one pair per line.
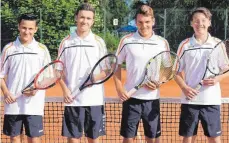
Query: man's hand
x,y
29,93
67,96
210,81
123,95
189,92
152,85
9,98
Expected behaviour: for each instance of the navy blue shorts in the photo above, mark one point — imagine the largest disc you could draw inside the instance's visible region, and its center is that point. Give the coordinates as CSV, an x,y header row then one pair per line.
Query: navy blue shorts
x,y
209,115
90,119
133,111
13,125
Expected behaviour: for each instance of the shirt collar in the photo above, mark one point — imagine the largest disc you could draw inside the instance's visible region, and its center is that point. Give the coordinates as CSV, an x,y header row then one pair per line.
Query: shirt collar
x,y
194,42
30,45
87,38
152,38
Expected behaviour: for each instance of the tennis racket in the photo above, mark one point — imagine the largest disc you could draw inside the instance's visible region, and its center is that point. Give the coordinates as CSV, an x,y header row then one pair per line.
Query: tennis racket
x,y
47,77
100,73
217,61
159,69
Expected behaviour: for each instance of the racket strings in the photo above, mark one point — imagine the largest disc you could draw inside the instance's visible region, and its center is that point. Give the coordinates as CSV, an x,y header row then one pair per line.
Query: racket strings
x,y
167,71
226,57
162,68
104,69
219,58
49,75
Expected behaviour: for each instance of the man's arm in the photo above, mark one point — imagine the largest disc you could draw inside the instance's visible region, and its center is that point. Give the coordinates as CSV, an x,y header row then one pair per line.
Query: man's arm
x,y
66,92
8,97
188,91
213,81
122,93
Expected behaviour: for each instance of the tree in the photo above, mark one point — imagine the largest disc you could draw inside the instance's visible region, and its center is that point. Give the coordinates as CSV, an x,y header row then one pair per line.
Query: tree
x,y
172,18
115,9
56,16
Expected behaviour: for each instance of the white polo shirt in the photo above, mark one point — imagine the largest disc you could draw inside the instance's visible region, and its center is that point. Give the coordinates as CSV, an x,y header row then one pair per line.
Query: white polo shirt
x,y
136,51
20,64
79,55
193,57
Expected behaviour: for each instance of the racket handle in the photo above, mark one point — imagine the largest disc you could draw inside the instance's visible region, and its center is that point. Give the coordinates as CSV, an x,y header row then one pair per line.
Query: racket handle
x,y
198,86
18,95
131,92
75,93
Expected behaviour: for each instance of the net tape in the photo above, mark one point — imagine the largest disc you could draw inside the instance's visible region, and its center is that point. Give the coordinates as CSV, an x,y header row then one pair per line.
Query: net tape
x,y
170,112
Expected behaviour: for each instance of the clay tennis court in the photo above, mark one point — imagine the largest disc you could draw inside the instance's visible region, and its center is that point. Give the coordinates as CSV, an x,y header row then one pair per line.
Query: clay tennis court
x,y
169,89
170,111
169,114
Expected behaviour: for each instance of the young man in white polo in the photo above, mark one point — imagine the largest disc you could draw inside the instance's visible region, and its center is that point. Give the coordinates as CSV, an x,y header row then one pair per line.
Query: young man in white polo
x,y
80,51
203,104
21,60
135,50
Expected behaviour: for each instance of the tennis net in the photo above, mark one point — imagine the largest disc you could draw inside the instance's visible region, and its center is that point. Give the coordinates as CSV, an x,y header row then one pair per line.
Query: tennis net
x,y
170,111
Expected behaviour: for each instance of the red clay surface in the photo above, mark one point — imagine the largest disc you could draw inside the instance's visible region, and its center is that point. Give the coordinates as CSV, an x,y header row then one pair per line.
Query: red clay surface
x,y
169,89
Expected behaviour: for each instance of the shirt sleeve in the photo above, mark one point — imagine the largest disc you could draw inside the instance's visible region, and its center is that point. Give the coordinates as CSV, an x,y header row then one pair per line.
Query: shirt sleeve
x,y
61,55
4,64
223,58
121,51
47,56
180,54
167,60
102,48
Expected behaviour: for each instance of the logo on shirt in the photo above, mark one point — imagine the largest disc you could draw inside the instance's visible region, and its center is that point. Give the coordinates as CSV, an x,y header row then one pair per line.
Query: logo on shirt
x,y
14,52
40,131
218,132
134,40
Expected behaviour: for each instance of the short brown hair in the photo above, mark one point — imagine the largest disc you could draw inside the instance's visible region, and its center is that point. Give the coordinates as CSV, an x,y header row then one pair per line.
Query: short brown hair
x,y
144,10
203,10
85,6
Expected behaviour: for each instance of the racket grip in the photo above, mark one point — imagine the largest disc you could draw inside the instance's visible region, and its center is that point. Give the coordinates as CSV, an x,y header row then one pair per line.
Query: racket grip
x,y
198,86
74,94
18,95
131,92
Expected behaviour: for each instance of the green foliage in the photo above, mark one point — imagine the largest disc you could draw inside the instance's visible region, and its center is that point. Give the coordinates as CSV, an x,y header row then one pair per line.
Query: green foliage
x,y
111,41
56,16
115,9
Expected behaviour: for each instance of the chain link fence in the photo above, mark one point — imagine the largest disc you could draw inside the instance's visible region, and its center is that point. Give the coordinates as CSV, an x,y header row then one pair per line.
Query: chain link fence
x,y
171,24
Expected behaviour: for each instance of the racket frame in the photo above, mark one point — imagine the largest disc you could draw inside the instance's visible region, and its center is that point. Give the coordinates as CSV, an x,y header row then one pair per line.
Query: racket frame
x,y
133,90
90,75
198,87
29,87
36,78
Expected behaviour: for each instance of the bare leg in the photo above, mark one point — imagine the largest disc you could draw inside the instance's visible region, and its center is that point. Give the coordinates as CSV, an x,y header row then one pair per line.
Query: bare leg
x,y
189,139
34,140
73,140
128,140
93,140
214,139
16,139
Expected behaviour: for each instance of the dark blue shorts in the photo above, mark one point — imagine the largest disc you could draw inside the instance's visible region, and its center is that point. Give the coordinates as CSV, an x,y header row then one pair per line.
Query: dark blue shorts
x,y
13,125
90,119
209,115
133,111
